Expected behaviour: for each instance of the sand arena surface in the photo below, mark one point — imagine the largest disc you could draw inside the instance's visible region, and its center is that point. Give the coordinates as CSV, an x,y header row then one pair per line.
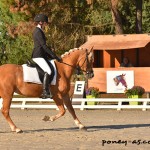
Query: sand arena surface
x,y
104,127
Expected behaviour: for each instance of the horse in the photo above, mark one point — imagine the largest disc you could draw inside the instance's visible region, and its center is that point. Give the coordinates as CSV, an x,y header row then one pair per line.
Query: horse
x,y
11,80
120,79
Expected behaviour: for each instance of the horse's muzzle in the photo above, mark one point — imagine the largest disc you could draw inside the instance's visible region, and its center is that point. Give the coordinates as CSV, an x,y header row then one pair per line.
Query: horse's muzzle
x,y
89,74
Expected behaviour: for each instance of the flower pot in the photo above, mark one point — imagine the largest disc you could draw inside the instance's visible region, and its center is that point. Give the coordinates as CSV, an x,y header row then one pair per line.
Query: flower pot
x,y
134,102
91,102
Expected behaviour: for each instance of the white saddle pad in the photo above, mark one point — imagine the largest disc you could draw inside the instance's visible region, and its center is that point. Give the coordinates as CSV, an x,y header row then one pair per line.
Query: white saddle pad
x,y
31,75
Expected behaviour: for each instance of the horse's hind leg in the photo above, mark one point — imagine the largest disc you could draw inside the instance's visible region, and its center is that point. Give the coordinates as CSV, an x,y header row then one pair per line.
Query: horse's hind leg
x,y
5,111
72,112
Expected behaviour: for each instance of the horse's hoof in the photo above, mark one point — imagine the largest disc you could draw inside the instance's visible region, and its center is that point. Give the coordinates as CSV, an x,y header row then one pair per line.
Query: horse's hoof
x,y
83,129
19,131
52,118
46,118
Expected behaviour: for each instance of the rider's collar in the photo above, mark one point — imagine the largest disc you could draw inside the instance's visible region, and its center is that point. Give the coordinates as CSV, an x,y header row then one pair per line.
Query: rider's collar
x,y
39,26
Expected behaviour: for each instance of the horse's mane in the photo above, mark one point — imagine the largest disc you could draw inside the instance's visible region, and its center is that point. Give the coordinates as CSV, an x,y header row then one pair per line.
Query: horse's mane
x,y
70,51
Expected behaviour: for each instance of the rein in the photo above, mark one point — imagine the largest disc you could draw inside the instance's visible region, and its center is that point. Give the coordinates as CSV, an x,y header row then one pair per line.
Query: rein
x,y
77,68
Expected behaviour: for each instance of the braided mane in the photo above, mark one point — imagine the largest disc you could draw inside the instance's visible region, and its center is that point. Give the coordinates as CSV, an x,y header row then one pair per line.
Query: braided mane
x,y
70,51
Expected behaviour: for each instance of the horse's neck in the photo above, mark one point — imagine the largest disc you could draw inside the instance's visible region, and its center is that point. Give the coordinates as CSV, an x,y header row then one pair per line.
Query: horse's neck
x,y
72,58
70,61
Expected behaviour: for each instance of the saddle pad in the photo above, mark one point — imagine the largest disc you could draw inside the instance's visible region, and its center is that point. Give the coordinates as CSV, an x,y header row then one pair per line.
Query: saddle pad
x,y
30,74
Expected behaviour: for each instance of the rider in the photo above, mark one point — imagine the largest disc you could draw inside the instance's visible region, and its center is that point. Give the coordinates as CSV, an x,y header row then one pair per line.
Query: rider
x,y
42,53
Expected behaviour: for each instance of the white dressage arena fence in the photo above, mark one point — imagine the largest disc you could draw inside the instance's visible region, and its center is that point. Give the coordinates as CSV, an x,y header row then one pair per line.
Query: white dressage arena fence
x,y
79,103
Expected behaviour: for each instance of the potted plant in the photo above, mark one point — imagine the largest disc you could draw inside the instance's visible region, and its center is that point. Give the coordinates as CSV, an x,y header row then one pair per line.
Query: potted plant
x,y
92,92
135,92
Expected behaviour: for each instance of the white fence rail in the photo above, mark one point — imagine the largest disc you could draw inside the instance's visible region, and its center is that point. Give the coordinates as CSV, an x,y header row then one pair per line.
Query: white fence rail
x,y
103,103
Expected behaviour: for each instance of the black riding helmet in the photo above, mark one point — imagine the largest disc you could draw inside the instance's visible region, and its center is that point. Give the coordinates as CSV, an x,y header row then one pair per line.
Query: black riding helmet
x,y
41,17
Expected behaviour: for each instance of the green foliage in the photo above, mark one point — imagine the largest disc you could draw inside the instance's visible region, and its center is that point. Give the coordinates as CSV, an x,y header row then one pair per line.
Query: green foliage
x,y
4,37
146,16
20,50
94,91
135,90
128,15
12,49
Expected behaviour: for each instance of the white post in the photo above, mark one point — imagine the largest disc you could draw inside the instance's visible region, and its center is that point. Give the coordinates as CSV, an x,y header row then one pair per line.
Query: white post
x,y
23,104
119,104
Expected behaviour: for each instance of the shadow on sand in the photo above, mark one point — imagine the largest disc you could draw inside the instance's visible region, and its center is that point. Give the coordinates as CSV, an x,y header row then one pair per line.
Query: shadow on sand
x,y
92,128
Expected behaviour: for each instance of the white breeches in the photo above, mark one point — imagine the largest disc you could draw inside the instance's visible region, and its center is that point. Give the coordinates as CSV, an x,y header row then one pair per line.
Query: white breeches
x,y
43,64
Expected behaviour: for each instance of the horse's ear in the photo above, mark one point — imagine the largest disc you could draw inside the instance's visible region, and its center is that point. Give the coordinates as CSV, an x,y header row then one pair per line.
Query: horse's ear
x,y
92,49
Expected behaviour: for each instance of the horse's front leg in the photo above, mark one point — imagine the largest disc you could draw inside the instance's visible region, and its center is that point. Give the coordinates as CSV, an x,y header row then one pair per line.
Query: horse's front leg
x,y
60,105
72,112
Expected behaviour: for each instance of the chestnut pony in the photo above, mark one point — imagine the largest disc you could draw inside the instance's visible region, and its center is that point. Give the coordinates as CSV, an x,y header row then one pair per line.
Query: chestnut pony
x,y
11,80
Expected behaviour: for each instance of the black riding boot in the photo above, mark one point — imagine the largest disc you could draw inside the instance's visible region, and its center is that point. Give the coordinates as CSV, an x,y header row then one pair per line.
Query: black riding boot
x,y
46,91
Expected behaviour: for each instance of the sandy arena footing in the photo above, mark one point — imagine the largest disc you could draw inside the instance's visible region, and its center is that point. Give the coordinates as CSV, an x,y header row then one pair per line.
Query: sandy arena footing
x,y
106,129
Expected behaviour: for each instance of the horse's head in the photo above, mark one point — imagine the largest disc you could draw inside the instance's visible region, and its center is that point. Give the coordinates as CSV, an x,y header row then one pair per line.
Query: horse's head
x,y
85,62
120,79
81,60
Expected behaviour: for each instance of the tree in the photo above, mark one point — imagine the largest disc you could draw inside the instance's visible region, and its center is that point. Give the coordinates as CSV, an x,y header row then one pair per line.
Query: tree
x,y
70,21
116,17
139,16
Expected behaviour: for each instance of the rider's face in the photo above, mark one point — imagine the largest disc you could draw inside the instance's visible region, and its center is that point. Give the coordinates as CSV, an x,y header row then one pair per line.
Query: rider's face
x,y
43,24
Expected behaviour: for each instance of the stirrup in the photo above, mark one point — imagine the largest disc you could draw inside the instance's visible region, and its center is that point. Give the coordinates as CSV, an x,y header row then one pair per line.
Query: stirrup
x,y
45,95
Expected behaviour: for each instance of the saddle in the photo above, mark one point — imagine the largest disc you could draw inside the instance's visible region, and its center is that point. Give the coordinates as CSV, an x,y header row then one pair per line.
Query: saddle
x,y
32,64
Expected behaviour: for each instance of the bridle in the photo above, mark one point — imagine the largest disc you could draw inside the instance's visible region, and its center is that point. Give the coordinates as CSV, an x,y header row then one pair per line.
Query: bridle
x,y
77,68
86,60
